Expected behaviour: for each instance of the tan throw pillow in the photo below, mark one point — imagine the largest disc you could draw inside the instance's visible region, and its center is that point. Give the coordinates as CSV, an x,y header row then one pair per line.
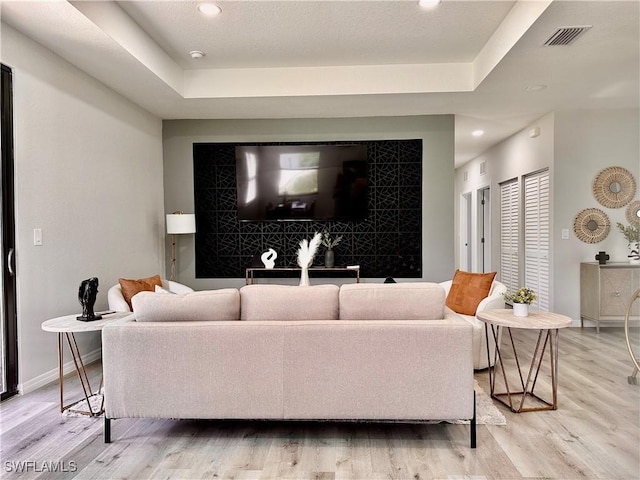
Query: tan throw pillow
x,y
131,287
468,290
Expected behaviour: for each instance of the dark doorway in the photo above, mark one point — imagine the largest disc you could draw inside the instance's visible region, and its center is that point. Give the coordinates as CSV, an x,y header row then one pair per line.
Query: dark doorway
x,y
9,345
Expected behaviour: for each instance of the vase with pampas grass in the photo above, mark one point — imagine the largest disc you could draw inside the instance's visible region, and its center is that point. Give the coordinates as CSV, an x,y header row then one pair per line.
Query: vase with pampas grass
x,y
306,252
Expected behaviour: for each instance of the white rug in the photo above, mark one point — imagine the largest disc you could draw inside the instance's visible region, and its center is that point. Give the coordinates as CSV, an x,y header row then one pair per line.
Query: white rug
x,y
486,412
80,409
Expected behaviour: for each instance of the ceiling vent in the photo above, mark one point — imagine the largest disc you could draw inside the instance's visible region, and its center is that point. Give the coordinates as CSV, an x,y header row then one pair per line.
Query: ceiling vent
x,y
565,35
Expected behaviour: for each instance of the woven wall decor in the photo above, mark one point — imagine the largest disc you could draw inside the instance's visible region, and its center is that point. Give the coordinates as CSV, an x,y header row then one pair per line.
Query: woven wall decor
x,y
591,225
633,213
614,187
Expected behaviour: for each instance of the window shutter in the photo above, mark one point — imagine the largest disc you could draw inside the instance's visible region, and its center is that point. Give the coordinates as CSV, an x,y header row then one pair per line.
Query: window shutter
x,y
537,227
509,214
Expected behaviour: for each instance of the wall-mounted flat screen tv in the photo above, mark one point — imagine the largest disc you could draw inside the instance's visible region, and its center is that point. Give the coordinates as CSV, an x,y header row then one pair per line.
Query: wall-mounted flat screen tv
x,y
301,182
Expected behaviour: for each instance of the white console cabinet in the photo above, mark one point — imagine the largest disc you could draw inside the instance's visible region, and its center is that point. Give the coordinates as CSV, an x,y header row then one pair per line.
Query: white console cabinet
x,y
605,291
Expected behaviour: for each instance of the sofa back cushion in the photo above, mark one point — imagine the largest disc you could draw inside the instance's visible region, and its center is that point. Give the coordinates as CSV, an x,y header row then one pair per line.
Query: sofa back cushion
x,y
288,302
392,301
222,304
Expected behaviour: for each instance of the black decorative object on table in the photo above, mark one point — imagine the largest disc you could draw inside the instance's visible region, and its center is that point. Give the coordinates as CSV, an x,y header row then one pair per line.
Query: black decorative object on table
x,y
602,258
87,294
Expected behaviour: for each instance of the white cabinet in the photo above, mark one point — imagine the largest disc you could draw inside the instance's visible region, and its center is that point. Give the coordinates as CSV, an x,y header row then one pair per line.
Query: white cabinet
x,y
605,291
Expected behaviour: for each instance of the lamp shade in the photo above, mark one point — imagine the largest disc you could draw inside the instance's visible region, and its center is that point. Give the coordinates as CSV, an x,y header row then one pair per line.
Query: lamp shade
x,y
178,223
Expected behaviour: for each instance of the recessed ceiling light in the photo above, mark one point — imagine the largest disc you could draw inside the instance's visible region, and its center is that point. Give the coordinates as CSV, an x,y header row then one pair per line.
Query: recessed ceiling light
x,y
535,88
428,3
196,54
209,9
477,133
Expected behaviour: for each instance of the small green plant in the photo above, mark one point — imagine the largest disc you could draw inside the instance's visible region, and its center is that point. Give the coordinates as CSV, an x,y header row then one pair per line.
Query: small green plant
x,y
630,232
328,242
522,295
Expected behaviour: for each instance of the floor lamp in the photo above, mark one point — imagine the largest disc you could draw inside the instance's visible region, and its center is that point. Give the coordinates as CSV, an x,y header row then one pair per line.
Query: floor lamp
x,y
179,223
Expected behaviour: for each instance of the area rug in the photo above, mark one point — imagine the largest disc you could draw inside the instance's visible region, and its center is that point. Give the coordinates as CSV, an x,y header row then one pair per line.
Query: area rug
x,y
486,412
81,409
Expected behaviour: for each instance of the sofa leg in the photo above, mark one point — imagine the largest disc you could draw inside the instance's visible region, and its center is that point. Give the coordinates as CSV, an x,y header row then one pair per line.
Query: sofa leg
x,y
473,423
107,430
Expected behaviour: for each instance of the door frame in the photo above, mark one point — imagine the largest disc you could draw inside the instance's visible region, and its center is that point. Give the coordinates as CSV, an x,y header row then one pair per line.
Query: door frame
x,y
9,298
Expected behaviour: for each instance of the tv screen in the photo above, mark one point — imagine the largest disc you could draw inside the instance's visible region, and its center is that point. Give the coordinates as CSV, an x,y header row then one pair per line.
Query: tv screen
x,y
301,182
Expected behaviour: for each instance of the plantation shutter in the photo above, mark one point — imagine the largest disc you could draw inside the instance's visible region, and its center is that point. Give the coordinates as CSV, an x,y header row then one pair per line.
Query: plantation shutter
x,y
537,226
509,234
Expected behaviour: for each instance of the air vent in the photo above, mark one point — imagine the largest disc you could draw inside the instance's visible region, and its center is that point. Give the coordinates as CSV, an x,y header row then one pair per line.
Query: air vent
x,y
566,35
483,167
465,175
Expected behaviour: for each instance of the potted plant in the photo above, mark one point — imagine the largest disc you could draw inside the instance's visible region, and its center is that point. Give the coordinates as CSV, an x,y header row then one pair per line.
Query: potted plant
x,y
521,299
330,243
632,235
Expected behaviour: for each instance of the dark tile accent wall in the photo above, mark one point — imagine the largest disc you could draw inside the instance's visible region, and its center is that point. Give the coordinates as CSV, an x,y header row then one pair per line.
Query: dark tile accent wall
x,y
387,244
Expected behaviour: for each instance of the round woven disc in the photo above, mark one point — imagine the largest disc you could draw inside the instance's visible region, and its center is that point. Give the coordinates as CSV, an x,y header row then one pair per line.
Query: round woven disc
x,y
581,225
616,197
632,213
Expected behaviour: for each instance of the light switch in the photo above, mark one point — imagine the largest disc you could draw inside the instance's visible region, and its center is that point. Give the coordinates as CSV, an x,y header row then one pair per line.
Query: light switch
x,y
37,237
565,234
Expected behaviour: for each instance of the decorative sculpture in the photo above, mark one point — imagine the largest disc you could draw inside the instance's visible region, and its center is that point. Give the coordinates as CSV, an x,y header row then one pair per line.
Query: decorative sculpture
x,y
602,257
306,252
87,294
269,258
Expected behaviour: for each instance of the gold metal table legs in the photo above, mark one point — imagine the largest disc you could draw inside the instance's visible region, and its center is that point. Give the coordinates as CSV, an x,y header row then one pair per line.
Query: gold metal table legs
x,y
515,400
82,376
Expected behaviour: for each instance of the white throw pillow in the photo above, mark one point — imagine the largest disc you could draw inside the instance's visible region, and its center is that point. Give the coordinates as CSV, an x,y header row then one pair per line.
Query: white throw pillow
x,y
163,291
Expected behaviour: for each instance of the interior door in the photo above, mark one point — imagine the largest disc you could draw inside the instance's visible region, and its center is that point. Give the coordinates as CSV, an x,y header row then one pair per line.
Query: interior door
x,y
465,232
484,230
9,344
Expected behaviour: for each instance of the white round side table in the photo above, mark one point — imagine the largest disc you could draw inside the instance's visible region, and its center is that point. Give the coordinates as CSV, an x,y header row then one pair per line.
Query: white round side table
x,y
67,327
548,324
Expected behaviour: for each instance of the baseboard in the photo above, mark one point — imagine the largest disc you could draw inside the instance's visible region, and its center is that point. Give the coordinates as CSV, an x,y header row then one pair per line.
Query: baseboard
x,y
52,375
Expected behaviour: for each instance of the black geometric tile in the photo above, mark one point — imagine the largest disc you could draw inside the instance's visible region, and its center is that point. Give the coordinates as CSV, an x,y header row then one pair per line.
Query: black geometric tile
x,y
387,221
410,221
229,245
207,222
387,151
410,174
410,198
387,174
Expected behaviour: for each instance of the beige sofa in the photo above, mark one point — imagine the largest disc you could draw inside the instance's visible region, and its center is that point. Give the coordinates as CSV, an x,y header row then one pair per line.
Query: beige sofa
x,y
495,299
380,352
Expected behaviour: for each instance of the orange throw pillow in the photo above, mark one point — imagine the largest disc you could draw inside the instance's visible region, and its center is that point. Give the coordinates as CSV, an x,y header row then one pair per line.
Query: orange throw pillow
x,y
131,287
468,290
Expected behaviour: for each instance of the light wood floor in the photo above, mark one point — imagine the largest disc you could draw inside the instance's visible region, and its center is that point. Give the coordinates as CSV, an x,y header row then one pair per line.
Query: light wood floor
x,y
595,433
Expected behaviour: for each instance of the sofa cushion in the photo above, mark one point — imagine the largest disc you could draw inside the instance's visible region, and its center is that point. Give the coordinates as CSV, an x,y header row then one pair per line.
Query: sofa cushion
x,y
131,287
288,302
222,304
392,301
468,290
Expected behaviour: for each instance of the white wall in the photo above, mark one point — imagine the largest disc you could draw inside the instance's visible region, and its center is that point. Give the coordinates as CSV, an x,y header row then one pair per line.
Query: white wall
x,y
586,142
574,146
512,158
89,174
438,148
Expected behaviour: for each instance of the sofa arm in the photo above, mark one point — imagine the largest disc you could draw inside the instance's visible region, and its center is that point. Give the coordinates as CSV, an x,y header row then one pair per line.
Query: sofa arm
x,y
491,302
116,301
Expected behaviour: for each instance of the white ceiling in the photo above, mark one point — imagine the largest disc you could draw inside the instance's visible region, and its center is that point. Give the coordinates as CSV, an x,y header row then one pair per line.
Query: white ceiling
x,y
297,59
